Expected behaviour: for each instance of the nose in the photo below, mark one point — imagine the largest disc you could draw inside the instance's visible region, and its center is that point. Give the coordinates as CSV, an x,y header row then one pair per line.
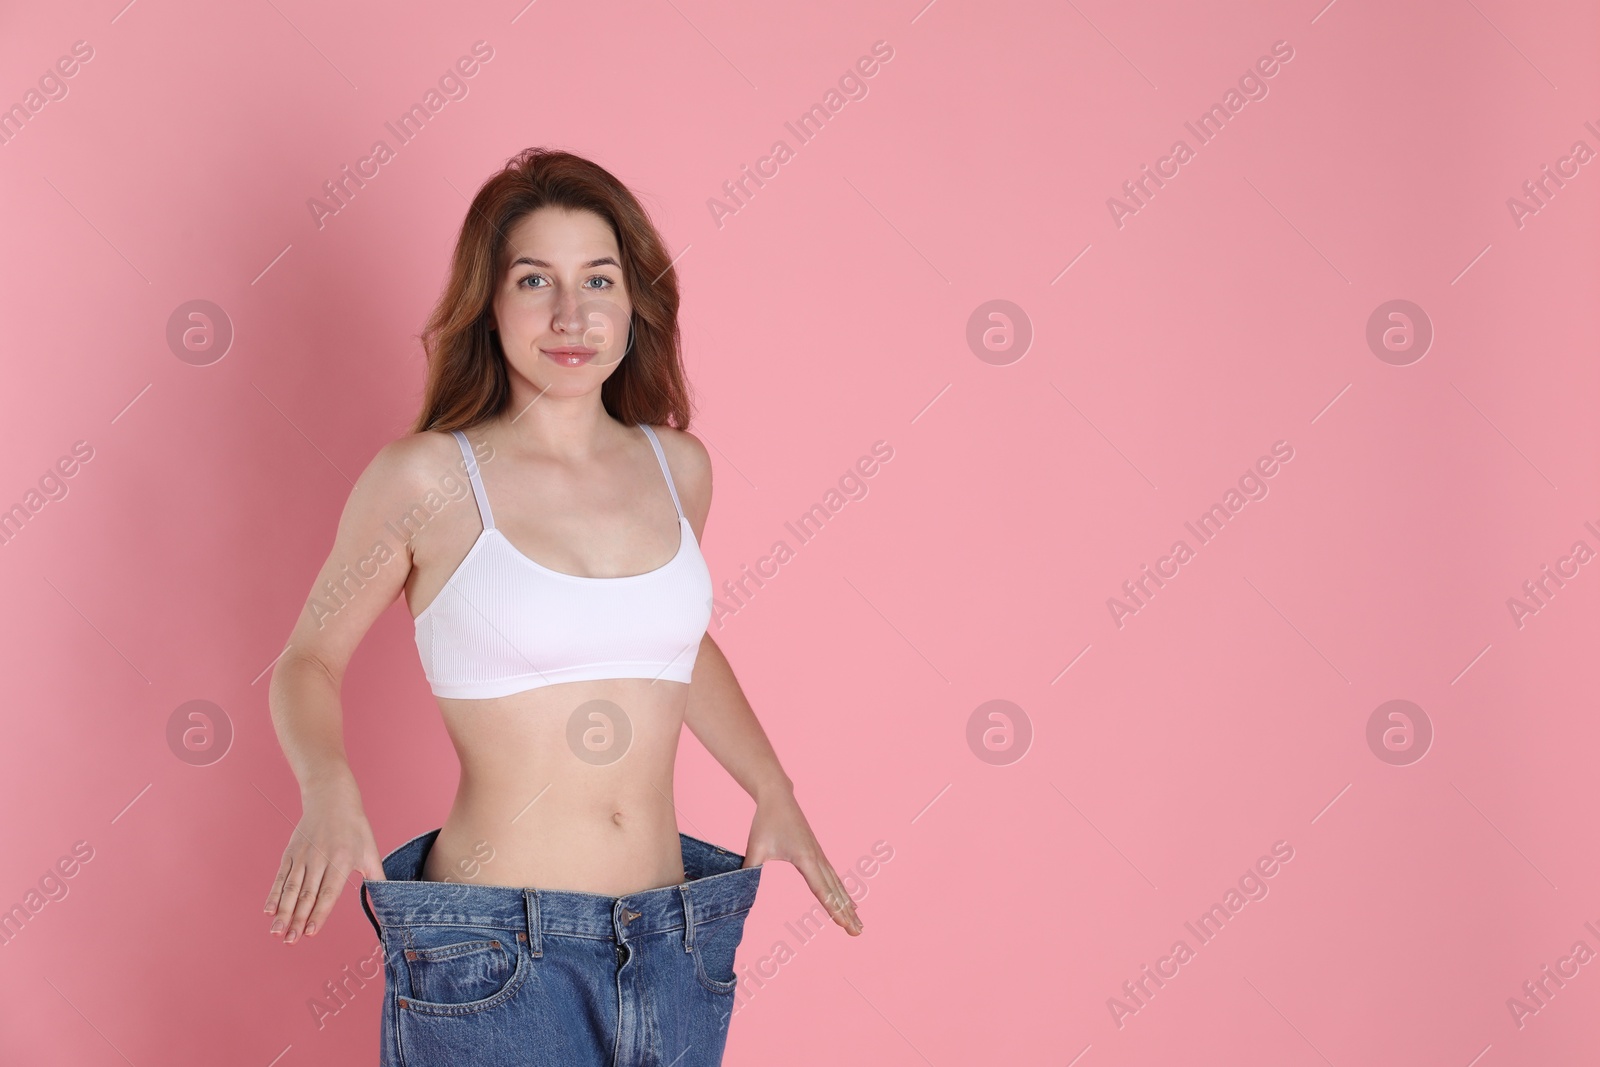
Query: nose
x,y
565,318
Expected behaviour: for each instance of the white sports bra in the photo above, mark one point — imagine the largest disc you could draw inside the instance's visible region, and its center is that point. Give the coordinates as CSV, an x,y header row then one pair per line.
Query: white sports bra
x,y
503,624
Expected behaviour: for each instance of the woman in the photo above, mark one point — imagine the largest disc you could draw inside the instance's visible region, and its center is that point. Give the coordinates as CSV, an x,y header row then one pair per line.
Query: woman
x,y
558,916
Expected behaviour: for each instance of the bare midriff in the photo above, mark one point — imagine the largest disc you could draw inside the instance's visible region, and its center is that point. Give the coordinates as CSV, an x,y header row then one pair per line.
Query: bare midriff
x,y
567,786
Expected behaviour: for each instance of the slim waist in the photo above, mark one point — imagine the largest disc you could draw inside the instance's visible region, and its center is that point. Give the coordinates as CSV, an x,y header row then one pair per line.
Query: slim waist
x,y
715,885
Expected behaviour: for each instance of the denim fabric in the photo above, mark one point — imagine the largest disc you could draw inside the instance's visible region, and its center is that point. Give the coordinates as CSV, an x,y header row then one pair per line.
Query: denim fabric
x,y
496,975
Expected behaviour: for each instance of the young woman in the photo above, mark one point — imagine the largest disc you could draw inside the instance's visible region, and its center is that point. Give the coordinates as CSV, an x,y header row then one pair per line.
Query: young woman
x,y
558,916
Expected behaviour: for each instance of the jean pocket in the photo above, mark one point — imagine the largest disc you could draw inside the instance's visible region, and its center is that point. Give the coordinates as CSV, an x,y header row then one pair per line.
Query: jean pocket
x,y
460,969
716,941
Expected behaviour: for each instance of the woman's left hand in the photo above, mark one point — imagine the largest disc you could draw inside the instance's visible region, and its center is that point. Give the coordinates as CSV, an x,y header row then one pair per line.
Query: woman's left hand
x,y
780,831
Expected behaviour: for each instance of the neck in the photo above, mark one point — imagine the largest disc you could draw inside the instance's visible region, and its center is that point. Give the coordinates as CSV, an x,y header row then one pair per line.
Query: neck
x,y
571,428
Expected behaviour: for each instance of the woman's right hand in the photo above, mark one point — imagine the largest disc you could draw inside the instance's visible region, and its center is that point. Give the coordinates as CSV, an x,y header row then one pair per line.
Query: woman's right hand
x,y
333,839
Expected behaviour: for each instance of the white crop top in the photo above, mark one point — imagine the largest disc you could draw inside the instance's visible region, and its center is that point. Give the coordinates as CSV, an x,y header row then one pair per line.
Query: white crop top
x,y
503,624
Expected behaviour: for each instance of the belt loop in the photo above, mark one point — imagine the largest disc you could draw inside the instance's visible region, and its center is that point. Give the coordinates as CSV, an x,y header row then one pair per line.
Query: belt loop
x,y
688,917
530,901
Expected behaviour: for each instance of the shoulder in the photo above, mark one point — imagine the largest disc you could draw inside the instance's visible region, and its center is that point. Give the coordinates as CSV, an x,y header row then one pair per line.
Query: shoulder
x,y
688,458
408,466
691,468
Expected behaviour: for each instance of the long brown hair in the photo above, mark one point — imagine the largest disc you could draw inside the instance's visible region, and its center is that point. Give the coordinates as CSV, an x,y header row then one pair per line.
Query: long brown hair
x,y
467,377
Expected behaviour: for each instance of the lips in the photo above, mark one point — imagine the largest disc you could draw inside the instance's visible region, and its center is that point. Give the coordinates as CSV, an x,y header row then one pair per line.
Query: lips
x,y
569,355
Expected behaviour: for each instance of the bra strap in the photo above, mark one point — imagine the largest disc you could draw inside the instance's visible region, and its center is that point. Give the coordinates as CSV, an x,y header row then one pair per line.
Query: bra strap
x,y
477,483
662,459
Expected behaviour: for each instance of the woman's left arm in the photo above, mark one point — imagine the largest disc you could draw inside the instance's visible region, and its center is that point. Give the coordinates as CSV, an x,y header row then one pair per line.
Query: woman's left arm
x,y
719,715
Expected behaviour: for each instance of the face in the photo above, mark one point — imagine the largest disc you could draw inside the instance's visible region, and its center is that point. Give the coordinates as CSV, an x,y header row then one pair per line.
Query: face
x,y
562,307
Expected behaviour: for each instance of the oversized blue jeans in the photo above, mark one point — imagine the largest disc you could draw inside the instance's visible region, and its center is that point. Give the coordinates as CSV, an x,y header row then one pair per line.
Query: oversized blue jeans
x,y
497,975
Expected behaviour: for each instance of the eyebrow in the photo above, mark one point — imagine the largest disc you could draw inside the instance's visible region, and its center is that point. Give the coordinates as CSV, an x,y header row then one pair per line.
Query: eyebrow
x,y
601,262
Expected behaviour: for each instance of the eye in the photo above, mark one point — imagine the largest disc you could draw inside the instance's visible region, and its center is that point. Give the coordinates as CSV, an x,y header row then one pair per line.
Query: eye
x,y
609,284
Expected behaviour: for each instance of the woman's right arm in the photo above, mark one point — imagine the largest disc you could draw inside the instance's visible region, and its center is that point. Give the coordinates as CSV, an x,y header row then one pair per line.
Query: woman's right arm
x,y
366,569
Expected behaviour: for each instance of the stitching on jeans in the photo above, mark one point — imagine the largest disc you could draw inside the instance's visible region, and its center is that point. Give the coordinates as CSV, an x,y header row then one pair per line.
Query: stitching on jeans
x,y
714,985
473,1007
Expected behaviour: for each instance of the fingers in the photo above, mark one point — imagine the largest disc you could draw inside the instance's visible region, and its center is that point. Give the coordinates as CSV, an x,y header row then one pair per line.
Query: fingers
x,y
287,888
310,889
306,896
847,916
826,886
310,878
327,894
277,884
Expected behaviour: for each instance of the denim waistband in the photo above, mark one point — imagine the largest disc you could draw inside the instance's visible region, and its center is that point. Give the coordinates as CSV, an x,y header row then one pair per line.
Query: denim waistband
x,y
714,885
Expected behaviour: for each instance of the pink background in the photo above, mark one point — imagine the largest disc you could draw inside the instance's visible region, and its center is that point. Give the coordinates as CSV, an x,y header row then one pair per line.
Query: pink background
x,y
830,312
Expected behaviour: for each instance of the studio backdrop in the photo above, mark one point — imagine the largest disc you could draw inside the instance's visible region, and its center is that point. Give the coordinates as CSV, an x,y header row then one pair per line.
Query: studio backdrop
x,y
1155,514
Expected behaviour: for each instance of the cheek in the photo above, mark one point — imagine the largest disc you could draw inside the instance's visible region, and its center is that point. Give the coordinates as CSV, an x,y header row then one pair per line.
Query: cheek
x,y
520,316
